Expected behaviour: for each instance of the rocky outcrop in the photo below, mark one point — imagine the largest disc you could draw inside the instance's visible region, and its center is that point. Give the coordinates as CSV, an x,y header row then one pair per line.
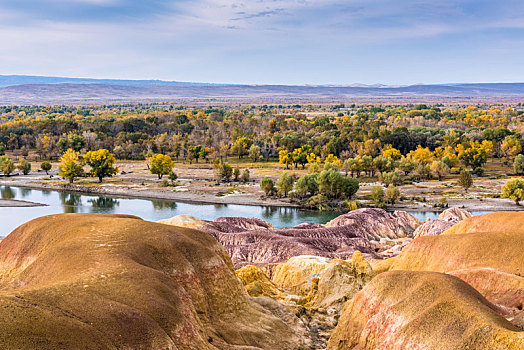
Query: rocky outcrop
x,y
257,283
433,227
374,224
255,242
446,220
485,251
422,310
340,281
117,282
454,215
316,288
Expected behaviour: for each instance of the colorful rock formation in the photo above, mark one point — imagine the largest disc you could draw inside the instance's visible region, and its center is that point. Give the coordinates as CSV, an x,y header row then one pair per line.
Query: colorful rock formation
x,y
117,282
256,242
422,310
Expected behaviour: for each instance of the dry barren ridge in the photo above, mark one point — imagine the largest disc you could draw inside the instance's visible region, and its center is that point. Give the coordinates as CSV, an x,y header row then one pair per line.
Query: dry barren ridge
x,y
42,90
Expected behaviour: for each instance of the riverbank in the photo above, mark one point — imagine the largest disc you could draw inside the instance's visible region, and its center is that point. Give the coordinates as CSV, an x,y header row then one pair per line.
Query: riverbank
x,y
146,192
13,203
195,184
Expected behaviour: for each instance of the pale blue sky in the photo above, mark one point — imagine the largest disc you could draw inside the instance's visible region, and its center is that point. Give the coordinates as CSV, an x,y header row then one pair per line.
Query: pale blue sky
x,y
265,42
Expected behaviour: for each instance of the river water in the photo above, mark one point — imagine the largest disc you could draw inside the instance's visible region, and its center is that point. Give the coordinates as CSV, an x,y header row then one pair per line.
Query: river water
x,y
153,210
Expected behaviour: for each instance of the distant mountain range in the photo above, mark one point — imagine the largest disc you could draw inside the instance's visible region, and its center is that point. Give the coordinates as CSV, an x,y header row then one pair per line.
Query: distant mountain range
x,y
16,89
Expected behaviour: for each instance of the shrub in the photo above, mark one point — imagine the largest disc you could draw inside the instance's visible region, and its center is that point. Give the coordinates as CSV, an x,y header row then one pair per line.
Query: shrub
x,y
351,205
245,175
268,186
465,180
318,202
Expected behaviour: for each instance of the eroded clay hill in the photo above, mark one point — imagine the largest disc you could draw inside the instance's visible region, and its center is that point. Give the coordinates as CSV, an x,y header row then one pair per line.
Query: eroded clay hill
x,y
486,251
256,242
117,282
422,310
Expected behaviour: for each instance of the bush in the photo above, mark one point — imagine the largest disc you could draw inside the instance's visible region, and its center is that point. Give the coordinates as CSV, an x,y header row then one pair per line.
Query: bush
x,y
223,171
479,171
318,202
236,173
268,186
172,177
245,175
351,205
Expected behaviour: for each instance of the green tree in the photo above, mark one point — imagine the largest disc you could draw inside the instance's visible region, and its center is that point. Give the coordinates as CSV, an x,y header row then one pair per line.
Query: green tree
x,y
70,165
285,183
254,153
377,193
392,194
24,166
307,184
161,165
195,151
465,180
267,185
223,171
514,190
76,142
389,178
102,163
518,165
407,165
46,166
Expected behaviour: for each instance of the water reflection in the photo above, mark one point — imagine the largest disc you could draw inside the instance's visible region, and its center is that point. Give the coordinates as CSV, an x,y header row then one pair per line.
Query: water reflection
x,y
7,193
25,192
105,204
70,202
163,205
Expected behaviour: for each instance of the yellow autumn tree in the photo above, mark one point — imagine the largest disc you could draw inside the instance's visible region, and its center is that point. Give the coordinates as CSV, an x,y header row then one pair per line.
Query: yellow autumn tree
x,y
70,165
101,163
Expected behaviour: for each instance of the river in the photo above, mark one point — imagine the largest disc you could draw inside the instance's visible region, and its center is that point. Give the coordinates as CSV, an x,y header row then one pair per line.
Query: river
x,y
153,210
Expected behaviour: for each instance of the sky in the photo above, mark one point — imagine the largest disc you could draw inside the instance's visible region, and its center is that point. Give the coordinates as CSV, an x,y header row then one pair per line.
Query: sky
x,y
266,42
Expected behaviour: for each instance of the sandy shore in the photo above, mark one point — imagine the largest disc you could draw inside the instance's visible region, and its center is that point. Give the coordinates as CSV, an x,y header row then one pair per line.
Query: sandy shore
x,y
4,203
